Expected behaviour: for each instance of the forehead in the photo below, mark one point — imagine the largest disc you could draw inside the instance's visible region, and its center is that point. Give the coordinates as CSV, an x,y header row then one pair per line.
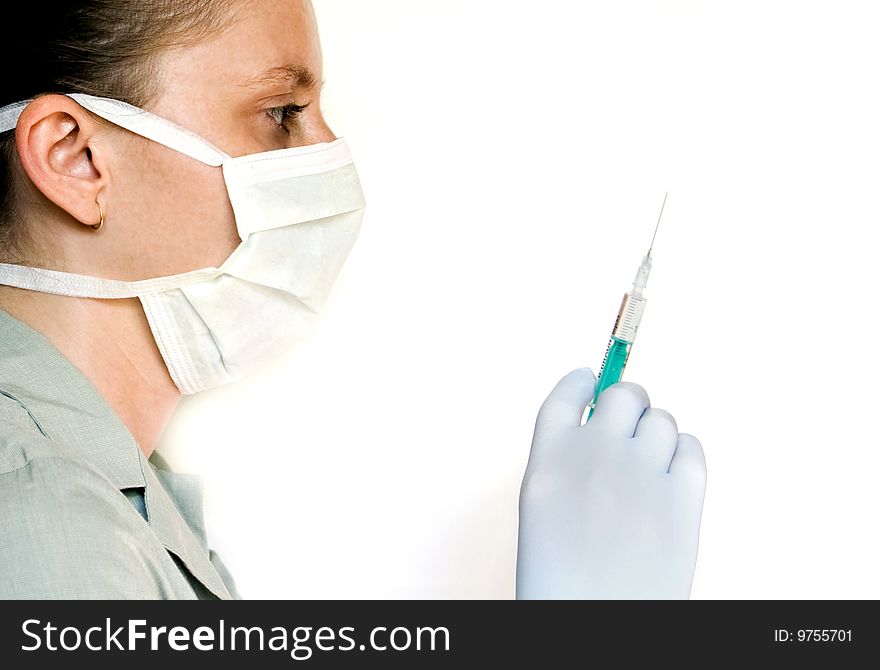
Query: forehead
x,y
266,41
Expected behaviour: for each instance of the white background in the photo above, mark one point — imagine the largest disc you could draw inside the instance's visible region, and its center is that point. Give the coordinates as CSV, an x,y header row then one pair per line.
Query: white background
x,y
514,157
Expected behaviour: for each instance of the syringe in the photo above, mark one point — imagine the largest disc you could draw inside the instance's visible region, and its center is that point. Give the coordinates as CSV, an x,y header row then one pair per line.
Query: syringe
x,y
628,318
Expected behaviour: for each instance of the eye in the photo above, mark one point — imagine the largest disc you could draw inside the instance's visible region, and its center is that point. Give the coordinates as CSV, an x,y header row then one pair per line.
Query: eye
x,y
283,115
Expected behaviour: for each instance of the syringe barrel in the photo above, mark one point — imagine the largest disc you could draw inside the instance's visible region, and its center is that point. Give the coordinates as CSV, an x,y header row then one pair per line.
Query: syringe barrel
x,y
629,317
622,338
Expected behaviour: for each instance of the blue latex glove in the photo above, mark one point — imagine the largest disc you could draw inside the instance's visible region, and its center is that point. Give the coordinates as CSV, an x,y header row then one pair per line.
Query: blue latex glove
x,y
611,508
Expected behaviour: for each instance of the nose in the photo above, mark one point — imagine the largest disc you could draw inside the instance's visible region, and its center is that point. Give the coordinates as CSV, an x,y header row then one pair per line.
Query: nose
x,y
318,131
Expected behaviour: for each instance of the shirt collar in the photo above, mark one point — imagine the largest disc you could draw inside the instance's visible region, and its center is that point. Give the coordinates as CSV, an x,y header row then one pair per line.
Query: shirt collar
x,y
67,408
65,405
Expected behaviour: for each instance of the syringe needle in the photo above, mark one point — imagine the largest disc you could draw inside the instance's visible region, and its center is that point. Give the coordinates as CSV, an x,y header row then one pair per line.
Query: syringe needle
x,y
660,218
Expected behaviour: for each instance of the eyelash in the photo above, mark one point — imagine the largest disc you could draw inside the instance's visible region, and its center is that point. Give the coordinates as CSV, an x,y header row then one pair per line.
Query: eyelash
x,y
285,113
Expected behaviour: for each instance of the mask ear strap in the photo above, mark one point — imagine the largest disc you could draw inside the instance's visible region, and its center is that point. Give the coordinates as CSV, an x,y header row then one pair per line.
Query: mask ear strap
x,y
136,120
9,115
153,127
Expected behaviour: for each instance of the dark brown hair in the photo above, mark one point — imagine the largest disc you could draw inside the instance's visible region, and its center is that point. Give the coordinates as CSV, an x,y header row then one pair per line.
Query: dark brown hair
x,y
101,47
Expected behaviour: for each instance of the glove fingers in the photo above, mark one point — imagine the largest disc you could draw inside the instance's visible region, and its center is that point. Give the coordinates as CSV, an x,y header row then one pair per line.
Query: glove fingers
x,y
689,462
657,436
619,409
565,405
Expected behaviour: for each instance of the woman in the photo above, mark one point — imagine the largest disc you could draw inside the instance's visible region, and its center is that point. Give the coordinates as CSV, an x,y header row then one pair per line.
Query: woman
x,y
171,218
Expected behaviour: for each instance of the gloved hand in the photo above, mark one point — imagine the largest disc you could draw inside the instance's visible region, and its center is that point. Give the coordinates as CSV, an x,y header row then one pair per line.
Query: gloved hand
x,y
609,509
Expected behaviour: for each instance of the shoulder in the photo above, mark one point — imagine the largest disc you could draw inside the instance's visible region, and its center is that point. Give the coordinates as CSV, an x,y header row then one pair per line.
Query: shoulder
x,y
66,531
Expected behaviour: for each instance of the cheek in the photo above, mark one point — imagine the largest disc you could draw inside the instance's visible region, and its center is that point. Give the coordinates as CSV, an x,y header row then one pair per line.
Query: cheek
x,y
177,216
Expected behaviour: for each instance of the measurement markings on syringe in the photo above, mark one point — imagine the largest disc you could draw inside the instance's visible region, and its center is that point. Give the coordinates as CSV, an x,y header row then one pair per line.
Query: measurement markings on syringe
x,y
629,318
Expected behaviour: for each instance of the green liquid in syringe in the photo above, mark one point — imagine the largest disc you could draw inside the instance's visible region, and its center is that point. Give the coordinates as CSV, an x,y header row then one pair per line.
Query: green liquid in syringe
x,y
612,368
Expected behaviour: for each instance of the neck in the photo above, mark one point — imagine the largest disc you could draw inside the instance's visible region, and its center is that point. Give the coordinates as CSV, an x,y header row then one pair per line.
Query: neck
x,y
111,344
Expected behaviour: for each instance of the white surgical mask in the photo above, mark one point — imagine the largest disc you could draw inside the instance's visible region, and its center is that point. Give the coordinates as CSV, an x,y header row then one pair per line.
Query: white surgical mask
x,y
298,212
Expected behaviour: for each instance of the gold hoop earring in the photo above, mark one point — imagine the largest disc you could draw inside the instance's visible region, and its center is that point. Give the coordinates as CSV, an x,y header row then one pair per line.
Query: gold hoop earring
x,y
100,224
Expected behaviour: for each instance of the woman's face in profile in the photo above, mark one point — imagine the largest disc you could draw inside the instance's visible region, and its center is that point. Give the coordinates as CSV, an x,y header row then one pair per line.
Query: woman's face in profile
x,y
231,88
252,88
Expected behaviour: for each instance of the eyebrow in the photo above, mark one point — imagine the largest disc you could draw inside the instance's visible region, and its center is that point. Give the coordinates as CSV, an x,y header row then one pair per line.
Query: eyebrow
x,y
298,75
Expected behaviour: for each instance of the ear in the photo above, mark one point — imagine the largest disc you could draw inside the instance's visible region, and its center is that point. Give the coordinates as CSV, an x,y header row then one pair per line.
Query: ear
x,y
58,144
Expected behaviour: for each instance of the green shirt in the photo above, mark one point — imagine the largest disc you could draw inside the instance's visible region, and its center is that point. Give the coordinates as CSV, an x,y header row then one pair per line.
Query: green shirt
x,y
83,513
